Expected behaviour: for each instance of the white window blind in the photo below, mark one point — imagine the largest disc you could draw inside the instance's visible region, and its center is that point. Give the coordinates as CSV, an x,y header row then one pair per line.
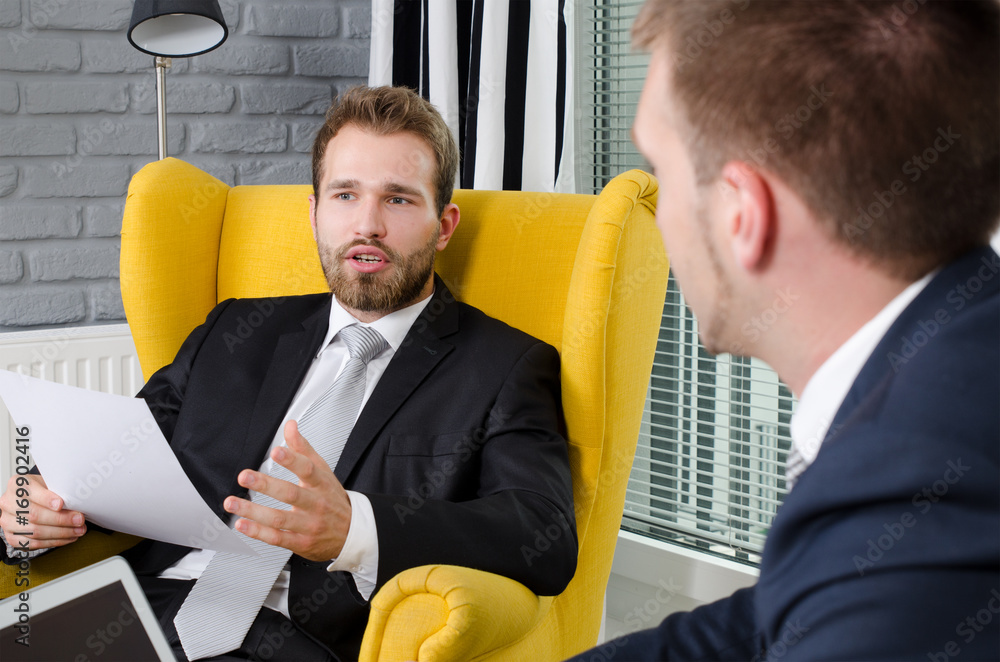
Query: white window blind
x,y
709,470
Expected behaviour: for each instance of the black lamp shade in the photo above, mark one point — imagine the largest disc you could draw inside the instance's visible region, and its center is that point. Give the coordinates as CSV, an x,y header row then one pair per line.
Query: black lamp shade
x,y
177,28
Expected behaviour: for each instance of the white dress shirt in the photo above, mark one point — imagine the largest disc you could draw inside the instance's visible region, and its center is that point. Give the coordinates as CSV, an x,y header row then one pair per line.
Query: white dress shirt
x,y
827,388
360,553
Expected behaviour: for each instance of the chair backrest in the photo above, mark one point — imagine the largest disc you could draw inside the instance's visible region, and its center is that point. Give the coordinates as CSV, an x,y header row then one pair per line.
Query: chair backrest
x,y
585,273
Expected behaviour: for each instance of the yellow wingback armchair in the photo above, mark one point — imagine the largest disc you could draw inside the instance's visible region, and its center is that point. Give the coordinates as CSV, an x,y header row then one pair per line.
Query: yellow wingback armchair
x,y
585,273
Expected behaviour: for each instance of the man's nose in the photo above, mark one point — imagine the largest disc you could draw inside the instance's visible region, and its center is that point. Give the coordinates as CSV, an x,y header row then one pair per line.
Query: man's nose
x,y
370,223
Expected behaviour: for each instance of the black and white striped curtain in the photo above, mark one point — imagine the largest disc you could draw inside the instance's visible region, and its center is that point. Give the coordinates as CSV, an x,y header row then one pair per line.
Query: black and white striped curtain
x,y
499,71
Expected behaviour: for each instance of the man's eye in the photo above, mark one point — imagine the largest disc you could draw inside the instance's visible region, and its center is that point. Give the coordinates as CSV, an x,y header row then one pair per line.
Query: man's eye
x,y
343,196
398,201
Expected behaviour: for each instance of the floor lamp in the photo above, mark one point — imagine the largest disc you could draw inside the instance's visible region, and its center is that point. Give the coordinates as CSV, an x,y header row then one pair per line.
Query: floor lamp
x,y
174,28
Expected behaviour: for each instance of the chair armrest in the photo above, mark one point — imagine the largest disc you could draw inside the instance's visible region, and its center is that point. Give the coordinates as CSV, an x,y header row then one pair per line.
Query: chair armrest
x,y
438,613
94,546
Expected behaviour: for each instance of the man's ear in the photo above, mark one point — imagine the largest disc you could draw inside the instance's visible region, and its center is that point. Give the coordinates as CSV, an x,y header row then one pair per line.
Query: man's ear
x,y
751,214
450,217
312,213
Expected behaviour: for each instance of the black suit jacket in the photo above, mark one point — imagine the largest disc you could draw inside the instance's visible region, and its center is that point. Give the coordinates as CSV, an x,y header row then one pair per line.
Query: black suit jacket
x,y
459,448
888,548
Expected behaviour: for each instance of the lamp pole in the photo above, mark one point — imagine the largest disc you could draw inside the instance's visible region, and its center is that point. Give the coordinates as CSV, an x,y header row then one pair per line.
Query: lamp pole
x,y
161,64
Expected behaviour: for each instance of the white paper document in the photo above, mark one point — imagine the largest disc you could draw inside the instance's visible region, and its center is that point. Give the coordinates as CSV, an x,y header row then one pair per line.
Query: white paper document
x,y
105,456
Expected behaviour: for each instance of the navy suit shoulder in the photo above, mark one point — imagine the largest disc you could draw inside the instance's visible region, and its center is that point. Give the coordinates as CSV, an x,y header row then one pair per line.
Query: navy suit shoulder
x,y
890,541
888,548
722,631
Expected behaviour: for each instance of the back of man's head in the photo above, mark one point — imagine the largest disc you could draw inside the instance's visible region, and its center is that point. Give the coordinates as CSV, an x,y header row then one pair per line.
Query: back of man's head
x,y
384,111
884,117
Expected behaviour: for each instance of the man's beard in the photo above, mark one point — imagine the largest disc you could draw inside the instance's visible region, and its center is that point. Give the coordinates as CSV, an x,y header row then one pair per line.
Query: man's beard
x,y
379,292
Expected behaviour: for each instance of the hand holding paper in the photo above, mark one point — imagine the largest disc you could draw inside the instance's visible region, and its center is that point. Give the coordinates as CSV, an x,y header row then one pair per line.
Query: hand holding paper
x,y
50,524
106,457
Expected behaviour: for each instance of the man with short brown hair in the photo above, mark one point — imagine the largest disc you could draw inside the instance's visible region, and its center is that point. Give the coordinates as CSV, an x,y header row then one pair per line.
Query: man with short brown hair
x,y
383,111
451,453
845,153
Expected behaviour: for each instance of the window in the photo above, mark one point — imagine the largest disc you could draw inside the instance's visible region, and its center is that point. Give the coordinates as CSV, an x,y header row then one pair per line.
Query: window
x,y
709,469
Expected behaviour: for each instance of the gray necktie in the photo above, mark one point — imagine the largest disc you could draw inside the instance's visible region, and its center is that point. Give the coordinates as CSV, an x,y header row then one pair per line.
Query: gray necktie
x,y
794,466
222,605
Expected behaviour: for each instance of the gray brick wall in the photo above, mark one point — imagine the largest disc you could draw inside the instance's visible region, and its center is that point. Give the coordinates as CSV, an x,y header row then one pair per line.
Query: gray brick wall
x,y
78,119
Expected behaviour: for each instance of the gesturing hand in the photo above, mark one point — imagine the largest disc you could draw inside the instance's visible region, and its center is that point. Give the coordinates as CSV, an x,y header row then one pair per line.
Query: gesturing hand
x,y
317,524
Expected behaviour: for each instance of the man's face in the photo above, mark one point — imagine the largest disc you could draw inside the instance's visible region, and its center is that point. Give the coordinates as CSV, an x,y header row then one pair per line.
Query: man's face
x,y
375,220
685,213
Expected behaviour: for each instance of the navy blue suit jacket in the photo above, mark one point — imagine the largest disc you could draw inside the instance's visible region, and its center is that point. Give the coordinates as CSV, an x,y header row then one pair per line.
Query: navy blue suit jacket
x,y
888,547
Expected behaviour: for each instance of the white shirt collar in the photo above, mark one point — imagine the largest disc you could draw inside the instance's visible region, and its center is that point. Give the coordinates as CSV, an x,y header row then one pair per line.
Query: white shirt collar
x,y
827,388
393,326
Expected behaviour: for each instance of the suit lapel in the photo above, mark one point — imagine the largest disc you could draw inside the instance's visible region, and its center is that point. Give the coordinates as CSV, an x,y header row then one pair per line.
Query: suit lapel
x,y
421,350
939,294
293,355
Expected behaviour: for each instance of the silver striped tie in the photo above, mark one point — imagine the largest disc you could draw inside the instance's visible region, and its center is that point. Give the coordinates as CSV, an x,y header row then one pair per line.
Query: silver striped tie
x,y
223,603
794,466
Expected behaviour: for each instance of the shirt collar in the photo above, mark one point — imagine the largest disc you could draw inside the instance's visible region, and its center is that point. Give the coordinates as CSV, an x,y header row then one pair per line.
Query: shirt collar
x,y
827,388
393,326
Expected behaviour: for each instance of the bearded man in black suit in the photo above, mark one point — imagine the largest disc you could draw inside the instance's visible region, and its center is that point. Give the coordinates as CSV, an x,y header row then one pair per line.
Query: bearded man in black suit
x,y
457,455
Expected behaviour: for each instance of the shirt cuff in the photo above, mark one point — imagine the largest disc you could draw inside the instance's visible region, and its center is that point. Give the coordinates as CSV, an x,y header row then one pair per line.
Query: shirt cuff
x,y
14,555
360,553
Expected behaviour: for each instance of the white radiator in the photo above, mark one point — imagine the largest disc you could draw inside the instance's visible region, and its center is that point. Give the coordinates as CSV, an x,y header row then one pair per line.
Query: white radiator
x,y
101,358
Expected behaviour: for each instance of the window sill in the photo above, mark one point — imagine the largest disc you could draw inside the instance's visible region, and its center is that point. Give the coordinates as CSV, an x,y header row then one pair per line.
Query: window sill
x,y
651,579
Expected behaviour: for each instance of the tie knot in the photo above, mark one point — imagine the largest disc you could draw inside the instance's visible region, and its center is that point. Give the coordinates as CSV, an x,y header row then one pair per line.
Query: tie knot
x,y
362,342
